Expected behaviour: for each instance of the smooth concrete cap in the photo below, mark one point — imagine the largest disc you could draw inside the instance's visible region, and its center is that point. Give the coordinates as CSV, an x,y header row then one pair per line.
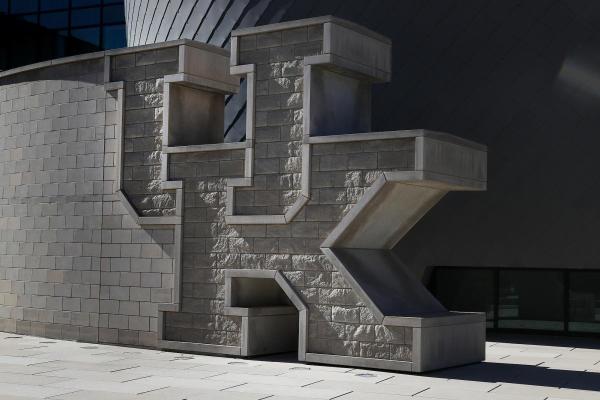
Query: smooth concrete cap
x,y
115,52
204,148
400,134
259,311
308,22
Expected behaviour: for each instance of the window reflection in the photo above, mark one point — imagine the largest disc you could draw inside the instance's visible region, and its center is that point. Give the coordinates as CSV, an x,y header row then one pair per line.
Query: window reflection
x,y
114,37
55,20
89,35
23,6
49,29
49,5
467,289
85,16
584,301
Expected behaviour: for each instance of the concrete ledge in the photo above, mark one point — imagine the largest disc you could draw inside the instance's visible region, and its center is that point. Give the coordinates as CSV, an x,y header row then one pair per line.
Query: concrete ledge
x,y
308,22
401,134
360,362
198,82
255,219
204,147
115,52
259,311
430,321
198,347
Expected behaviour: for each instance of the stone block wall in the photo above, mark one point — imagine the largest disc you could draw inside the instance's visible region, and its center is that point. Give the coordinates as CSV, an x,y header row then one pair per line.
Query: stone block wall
x,y
112,234
142,74
73,264
278,57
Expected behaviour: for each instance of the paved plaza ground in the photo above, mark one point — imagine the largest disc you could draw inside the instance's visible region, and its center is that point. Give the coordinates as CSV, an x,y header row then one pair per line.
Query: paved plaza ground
x,y
521,368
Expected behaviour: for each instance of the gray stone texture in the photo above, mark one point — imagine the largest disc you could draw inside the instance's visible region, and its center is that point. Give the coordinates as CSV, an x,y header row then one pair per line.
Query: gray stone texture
x,y
73,264
74,261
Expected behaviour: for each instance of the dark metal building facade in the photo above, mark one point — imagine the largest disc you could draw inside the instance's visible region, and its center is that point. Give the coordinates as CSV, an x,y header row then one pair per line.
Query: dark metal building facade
x,y
515,75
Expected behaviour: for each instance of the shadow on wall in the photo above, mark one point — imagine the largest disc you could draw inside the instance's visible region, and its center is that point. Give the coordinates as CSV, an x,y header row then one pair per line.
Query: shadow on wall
x,y
489,71
541,129
81,72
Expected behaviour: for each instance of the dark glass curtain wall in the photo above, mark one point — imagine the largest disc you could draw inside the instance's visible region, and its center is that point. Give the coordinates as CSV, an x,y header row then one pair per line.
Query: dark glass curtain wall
x,y
553,300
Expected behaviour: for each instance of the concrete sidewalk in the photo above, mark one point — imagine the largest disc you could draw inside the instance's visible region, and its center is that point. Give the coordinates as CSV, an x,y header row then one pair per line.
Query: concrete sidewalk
x,y
39,368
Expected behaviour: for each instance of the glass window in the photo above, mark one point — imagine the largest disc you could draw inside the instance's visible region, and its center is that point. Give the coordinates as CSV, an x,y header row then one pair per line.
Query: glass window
x,y
55,20
114,37
23,6
33,18
466,289
85,16
584,301
530,299
4,6
83,3
89,35
114,14
47,5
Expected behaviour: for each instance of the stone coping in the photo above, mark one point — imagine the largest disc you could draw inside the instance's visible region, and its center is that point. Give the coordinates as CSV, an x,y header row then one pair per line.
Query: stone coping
x,y
431,320
204,147
400,134
260,311
114,52
308,22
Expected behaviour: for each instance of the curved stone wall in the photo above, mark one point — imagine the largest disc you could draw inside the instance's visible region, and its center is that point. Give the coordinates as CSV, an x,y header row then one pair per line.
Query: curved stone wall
x,y
73,263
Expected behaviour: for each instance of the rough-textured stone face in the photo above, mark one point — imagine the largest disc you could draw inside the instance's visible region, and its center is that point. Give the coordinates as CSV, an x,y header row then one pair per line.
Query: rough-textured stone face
x,y
111,233
142,145
339,322
76,265
73,264
279,58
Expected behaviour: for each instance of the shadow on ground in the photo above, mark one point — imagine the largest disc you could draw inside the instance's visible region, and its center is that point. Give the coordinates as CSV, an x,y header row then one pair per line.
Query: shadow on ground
x,y
536,375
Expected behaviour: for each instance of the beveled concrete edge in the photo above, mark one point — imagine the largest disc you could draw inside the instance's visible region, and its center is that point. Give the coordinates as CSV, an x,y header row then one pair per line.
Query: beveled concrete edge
x,y
114,52
452,318
287,288
354,213
258,311
299,23
346,66
399,134
204,148
202,348
360,362
201,83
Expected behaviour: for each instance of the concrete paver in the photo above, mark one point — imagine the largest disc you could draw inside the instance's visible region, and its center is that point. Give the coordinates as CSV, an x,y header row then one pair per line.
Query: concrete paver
x,y
37,368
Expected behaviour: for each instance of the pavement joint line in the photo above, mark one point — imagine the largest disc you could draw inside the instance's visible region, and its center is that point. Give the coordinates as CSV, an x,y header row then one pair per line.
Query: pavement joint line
x,y
124,369
41,362
495,387
420,391
340,395
231,387
267,397
385,379
217,374
62,394
152,390
135,379
312,383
